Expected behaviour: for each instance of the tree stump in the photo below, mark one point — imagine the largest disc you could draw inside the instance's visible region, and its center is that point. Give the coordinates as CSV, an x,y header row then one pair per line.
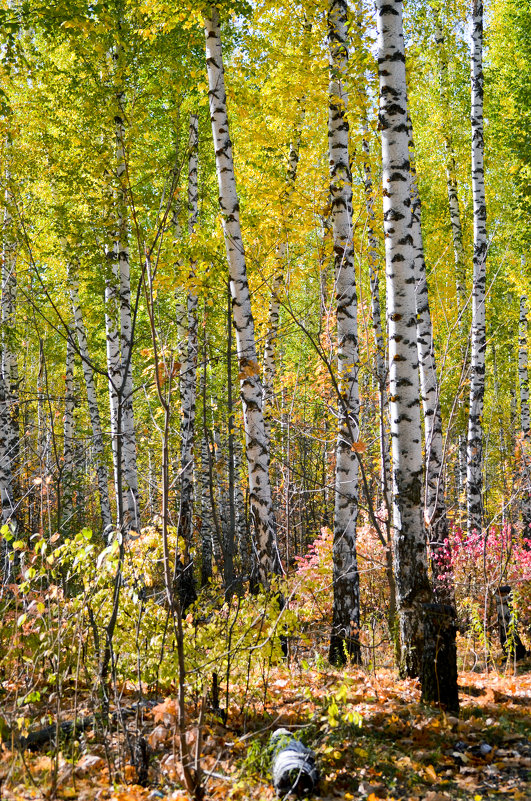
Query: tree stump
x,y
439,661
511,643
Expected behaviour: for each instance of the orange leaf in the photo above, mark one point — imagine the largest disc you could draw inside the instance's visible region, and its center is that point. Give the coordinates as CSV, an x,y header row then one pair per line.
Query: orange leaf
x,y
358,447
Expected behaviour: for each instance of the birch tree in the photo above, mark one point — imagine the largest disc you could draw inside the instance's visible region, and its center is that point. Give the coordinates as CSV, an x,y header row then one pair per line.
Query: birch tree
x,y
68,464
188,381
525,421
9,359
92,403
434,491
344,639
409,535
250,384
478,341
119,329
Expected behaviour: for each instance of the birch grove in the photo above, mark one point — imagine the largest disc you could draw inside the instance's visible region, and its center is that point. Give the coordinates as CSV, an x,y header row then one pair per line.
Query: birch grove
x,y
208,394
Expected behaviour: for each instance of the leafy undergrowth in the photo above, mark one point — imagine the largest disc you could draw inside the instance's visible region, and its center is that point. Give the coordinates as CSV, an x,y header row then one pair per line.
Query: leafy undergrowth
x,y
372,737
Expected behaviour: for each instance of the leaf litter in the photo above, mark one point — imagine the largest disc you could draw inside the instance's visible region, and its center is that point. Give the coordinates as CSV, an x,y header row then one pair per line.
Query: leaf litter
x,y
373,740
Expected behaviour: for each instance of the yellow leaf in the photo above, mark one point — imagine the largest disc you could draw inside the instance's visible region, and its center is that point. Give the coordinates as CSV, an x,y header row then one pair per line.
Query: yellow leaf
x,y
430,773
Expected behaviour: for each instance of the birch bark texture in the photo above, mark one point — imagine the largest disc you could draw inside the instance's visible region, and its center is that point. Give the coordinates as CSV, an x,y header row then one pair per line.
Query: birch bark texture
x,y
92,403
68,466
409,535
188,383
119,331
451,173
434,487
478,339
260,501
9,413
344,639
525,420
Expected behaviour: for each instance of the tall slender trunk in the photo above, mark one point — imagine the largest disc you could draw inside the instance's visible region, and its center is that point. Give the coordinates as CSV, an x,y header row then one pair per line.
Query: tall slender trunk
x,y
525,421
409,534
228,562
344,638
9,360
381,376
112,340
434,491
121,250
477,362
68,468
119,328
250,384
93,408
457,239
451,173
188,379
6,492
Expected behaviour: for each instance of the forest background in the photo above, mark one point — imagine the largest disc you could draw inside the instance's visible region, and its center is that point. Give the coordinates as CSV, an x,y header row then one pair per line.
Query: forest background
x,y
198,475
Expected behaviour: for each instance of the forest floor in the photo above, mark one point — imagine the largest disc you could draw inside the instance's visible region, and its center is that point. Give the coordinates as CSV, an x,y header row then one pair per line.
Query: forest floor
x,y
372,737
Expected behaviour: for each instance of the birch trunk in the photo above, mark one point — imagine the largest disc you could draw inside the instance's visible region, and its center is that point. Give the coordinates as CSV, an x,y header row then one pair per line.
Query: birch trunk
x,y
121,250
409,535
344,639
6,496
67,470
381,378
93,408
525,421
434,490
188,378
207,527
457,239
112,340
9,361
451,174
478,346
250,384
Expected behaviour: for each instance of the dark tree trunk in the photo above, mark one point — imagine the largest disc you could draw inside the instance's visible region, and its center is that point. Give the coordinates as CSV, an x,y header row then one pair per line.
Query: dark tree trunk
x,y
439,662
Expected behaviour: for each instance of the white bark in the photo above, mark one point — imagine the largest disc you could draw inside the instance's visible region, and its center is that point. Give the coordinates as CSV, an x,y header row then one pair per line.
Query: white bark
x,y
68,467
457,239
119,331
112,339
451,174
132,515
525,422
434,489
346,609
9,361
250,384
478,346
188,377
93,408
523,372
409,535
379,342
6,496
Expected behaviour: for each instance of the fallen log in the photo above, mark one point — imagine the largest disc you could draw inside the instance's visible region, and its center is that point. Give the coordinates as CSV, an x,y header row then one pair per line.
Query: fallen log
x,y
293,765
